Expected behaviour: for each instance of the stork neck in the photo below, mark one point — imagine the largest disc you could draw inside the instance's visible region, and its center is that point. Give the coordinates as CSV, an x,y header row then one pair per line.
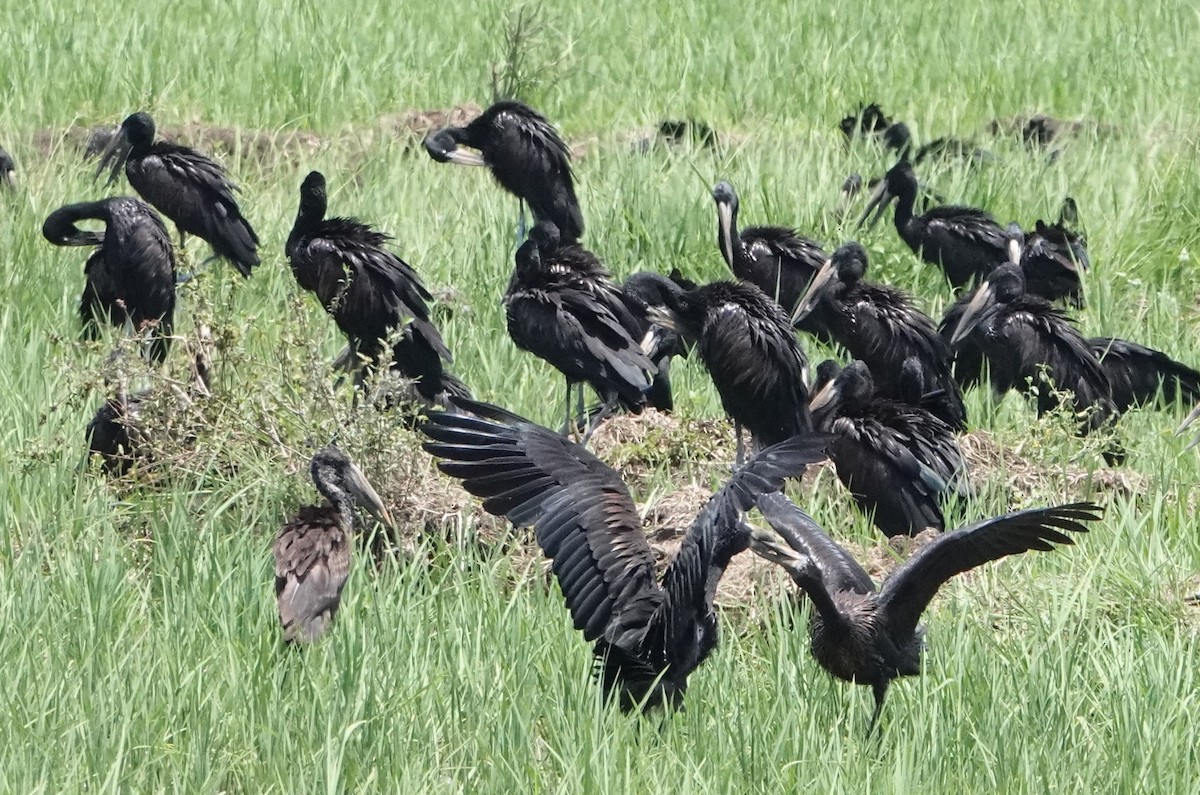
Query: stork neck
x,y
337,498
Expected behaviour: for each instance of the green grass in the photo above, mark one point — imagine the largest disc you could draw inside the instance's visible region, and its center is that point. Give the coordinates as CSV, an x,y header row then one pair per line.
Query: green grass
x,y
141,649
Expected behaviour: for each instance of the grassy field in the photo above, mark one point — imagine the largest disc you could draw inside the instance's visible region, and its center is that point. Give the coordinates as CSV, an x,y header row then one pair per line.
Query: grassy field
x,y
141,650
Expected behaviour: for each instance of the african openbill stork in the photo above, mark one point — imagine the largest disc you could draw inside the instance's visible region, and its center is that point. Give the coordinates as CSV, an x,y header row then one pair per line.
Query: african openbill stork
x,y
130,277
190,189
119,433
870,637
775,258
8,171
966,243
649,637
563,306
372,294
526,156
748,347
1053,257
881,326
899,462
1030,345
312,550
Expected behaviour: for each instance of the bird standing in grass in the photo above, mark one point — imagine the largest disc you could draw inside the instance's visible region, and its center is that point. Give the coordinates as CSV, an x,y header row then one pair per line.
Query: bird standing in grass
x,y
967,244
899,462
881,326
649,637
775,258
372,294
1033,348
312,551
868,636
130,277
187,187
526,156
562,306
749,349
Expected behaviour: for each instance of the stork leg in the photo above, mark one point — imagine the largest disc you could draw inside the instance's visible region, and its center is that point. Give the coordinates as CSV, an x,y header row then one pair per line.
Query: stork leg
x,y
880,691
606,409
739,456
522,230
567,429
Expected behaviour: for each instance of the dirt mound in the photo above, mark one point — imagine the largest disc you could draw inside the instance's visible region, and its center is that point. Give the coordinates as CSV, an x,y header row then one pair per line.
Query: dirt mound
x,y
988,460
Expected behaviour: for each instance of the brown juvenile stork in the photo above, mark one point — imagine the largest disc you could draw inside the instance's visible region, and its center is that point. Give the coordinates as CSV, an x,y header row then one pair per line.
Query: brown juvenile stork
x,y
312,551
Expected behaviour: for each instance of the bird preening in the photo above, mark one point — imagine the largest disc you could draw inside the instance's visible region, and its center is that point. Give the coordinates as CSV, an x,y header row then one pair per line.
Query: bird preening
x,y
130,277
377,299
525,154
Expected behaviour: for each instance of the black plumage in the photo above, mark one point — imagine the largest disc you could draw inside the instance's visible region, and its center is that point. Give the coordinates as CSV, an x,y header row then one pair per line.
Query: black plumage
x,y
868,122
775,258
118,431
526,156
966,243
899,462
881,326
1053,257
1030,345
375,297
312,550
649,637
871,637
190,189
130,277
563,306
748,347
647,291
1141,376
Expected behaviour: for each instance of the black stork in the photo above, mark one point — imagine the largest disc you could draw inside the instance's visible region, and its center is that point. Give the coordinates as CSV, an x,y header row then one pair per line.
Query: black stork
x,y
1030,345
130,277
8,171
966,243
881,326
872,636
899,462
525,154
312,550
562,306
749,349
775,258
371,293
190,189
649,637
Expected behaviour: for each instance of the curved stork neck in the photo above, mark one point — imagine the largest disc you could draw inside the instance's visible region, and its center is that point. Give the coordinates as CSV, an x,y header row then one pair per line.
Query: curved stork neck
x,y
338,499
909,227
308,220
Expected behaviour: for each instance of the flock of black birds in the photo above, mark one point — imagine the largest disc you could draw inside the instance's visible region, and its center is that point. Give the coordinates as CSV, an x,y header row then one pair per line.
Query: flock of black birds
x,y
888,418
